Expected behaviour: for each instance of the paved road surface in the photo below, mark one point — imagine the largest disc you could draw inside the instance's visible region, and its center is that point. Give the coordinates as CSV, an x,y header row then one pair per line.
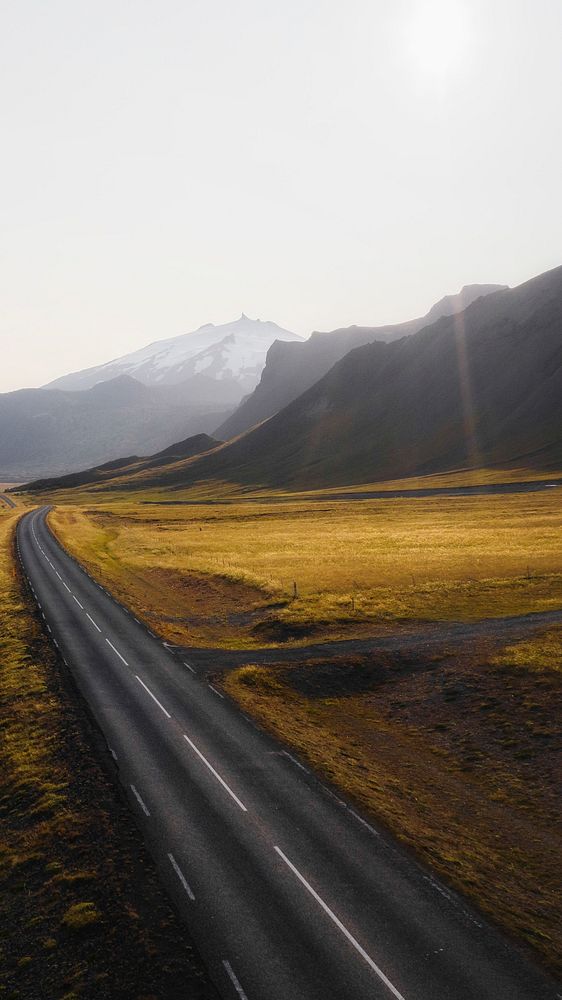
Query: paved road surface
x,y
7,500
289,892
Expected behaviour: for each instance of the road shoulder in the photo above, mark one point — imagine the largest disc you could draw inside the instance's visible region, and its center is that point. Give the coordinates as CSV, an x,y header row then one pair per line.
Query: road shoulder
x,y
82,911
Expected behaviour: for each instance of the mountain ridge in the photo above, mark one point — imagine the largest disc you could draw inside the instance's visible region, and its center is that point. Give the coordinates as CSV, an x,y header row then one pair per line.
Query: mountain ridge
x,y
229,352
290,369
483,387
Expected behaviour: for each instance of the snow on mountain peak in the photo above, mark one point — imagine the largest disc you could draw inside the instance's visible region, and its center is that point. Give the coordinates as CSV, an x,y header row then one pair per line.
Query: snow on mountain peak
x,y
230,351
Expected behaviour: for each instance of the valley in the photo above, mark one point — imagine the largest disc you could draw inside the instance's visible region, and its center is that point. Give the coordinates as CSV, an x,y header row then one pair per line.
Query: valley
x,y
281,501
417,669
365,588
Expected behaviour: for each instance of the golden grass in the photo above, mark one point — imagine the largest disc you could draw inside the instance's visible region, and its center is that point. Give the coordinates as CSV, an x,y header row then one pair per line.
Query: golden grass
x,y
34,784
27,769
358,566
540,653
458,759
81,915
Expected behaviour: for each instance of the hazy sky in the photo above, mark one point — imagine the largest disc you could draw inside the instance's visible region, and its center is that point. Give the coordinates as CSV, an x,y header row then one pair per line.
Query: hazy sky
x,y
166,164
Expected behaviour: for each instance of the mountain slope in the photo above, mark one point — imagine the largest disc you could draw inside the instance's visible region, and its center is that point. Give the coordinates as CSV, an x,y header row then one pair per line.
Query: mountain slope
x,y
230,353
480,388
130,466
51,432
291,369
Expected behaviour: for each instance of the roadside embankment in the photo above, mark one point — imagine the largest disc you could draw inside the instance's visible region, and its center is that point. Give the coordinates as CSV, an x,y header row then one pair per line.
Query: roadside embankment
x,y
457,751
82,913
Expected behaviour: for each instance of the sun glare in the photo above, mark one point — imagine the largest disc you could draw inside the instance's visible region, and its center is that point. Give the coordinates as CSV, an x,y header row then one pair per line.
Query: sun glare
x,y
437,35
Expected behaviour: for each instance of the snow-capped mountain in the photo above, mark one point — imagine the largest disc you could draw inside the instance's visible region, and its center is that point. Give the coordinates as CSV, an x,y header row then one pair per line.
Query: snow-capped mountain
x,y
233,352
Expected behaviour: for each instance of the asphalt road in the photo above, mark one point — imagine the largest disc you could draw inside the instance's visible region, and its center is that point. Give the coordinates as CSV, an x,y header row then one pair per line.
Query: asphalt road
x,y
7,500
289,893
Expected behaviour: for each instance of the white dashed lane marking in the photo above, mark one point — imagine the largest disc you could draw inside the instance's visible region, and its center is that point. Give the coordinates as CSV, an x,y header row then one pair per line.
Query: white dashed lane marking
x,y
140,801
95,624
181,876
347,934
154,698
234,979
215,773
109,643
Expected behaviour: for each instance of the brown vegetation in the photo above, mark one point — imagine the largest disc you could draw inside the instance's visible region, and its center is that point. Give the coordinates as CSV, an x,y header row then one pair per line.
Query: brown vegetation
x,y
81,910
458,755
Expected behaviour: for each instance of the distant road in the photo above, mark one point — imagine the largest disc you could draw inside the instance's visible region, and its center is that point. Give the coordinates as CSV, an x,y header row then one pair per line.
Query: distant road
x,y
450,491
289,892
538,486
7,500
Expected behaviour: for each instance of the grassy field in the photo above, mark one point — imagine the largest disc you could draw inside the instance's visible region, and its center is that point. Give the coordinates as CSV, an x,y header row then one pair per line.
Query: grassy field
x,y
225,574
455,748
542,654
82,914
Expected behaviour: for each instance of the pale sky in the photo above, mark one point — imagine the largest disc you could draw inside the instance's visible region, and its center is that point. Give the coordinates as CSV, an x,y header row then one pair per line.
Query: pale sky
x,y
168,163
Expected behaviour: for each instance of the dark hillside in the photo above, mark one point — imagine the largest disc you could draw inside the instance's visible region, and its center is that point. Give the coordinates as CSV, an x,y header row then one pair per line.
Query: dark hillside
x,y
132,465
482,387
292,368
51,432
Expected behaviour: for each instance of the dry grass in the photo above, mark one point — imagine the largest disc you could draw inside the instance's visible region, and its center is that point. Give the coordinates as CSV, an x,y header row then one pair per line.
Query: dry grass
x,y
66,836
540,653
358,567
460,758
81,915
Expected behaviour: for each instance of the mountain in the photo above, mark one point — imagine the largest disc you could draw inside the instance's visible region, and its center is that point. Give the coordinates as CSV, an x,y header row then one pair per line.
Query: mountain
x,y
483,387
290,369
130,466
46,432
451,304
183,449
232,355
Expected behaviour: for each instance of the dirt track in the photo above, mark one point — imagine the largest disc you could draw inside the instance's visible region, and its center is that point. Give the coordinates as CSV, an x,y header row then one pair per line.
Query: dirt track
x,y
427,638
